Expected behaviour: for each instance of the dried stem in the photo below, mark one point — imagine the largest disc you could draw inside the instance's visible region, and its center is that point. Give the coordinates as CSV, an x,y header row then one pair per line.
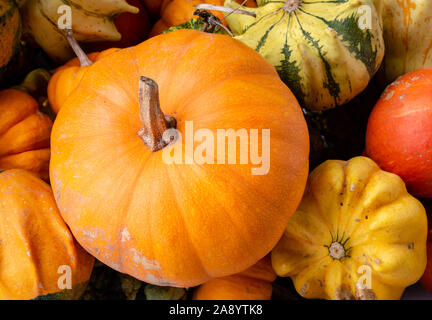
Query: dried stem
x,y
84,60
155,123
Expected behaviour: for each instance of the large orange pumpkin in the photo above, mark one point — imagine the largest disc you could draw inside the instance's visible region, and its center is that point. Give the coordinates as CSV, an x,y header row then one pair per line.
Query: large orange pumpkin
x,y
178,224
399,131
24,133
67,77
39,258
254,283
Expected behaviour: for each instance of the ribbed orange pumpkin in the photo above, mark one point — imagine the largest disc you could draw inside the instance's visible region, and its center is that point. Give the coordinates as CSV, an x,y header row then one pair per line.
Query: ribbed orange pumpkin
x,y
39,257
24,134
399,131
254,283
67,77
177,224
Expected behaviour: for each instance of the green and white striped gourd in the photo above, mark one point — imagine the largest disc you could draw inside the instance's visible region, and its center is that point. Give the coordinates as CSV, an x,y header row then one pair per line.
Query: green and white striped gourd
x,y
326,51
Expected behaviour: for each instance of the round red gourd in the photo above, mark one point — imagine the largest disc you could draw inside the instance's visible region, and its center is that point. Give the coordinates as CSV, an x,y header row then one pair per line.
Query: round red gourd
x,y
399,132
177,224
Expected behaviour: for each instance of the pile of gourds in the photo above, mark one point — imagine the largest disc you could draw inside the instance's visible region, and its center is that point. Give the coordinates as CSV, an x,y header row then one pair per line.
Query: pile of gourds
x,y
84,141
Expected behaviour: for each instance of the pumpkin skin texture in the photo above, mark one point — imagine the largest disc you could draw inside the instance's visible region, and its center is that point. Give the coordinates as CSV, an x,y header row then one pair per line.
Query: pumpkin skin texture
x,y
317,47
24,134
399,131
407,36
254,283
353,215
67,77
172,235
35,242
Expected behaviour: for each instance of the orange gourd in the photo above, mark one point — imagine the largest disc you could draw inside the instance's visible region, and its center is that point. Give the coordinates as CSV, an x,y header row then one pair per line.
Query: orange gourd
x,y
254,283
179,11
67,77
175,12
181,223
39,258
24,133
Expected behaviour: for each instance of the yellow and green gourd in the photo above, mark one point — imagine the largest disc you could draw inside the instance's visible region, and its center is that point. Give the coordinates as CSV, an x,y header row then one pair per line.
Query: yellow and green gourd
x,y
317,46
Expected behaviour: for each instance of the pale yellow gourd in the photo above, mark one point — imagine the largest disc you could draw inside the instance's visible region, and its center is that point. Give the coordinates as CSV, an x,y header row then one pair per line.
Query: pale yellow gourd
x,y
91,21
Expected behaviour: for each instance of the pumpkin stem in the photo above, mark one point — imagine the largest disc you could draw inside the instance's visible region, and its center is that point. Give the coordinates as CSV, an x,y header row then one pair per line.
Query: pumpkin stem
x,y
337,251
205,6
155,123
84,60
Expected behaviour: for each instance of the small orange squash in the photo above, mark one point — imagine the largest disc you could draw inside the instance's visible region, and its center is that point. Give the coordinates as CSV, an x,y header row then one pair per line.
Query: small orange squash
x,y
24,133
254,283
67,77
175,12
177,224
39,258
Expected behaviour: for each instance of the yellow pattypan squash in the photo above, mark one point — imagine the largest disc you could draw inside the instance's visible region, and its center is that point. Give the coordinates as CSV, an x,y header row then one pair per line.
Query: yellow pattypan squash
x,y
357,234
